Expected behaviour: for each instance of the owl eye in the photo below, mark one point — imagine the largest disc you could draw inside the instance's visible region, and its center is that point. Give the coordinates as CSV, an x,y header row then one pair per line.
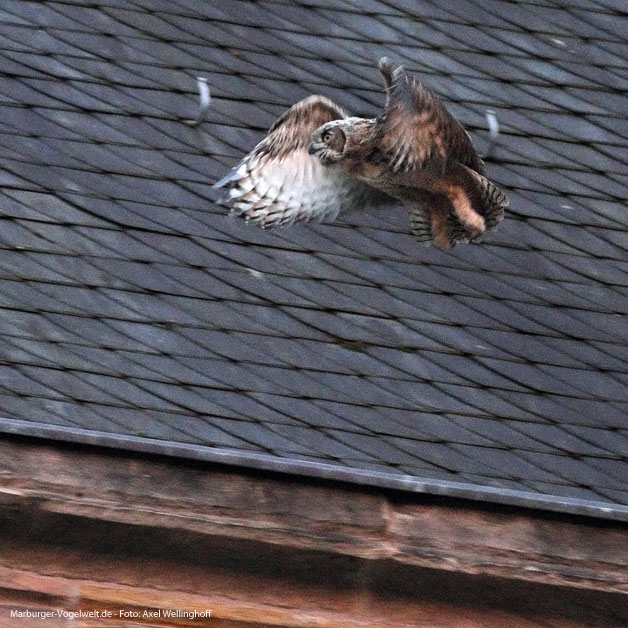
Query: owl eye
x,y
327,136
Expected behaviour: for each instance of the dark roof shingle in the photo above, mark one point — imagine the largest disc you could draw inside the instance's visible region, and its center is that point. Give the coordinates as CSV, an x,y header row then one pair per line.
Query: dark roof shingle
x,y
133,307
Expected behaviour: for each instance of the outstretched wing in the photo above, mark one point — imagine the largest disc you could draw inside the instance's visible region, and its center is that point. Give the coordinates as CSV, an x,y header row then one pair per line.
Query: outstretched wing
x,y
279,183
417,129
432,167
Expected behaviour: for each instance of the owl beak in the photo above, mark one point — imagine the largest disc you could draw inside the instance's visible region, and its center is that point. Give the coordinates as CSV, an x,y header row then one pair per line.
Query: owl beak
x,y
312,149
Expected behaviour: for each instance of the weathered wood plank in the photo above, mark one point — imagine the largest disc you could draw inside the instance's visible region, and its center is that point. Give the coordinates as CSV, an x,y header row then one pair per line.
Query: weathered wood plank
x,y
196,499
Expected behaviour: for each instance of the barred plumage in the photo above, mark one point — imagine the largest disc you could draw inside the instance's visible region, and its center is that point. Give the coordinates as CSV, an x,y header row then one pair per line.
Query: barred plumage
x,y
316,162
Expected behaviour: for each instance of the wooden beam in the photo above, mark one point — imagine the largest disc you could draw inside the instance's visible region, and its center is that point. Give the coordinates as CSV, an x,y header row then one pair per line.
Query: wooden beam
x,y
414,530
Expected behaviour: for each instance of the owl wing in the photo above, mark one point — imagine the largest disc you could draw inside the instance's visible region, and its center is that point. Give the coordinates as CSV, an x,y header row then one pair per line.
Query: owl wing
x,y
279,182
422,225
432,220
423,145
416,129
435,219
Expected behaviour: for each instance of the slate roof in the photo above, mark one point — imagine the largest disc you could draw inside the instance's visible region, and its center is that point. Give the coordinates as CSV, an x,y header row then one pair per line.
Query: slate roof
x,y
136,314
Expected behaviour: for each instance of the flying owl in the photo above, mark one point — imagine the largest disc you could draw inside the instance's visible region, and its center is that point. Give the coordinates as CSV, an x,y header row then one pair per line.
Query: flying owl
x,y
316,161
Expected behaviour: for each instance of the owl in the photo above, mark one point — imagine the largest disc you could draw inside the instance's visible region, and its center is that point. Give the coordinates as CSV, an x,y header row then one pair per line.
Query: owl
x,y
317,161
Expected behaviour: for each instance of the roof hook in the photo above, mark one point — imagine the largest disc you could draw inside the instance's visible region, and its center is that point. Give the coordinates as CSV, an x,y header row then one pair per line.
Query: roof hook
x,y
493,132
205,100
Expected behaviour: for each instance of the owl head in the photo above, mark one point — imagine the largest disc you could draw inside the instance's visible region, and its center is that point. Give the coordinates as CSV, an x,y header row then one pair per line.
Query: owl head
x,y
329,141
341,139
